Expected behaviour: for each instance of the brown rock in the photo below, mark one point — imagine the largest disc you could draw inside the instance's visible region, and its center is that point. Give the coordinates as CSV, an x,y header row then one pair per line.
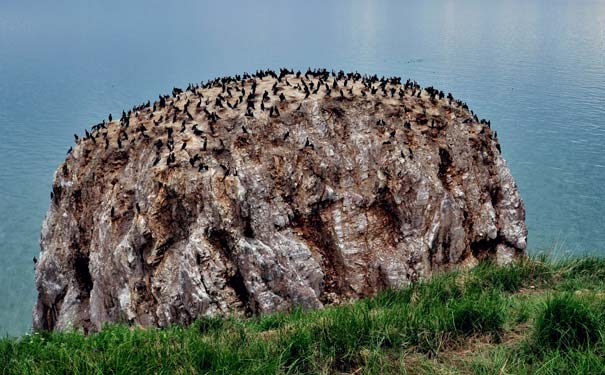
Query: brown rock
x,y
330,199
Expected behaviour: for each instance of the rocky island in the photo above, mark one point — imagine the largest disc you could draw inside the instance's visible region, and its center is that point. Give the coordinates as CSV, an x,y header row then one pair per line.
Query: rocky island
x,y
258,193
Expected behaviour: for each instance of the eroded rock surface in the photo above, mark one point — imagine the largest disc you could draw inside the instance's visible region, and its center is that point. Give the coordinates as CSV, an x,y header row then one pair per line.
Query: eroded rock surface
x,y
188,207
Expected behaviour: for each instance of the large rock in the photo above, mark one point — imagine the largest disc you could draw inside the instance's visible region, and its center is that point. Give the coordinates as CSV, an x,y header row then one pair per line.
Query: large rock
x,y
330,199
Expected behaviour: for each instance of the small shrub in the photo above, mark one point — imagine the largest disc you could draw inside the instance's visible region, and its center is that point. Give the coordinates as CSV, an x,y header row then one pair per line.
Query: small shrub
x,y
566,323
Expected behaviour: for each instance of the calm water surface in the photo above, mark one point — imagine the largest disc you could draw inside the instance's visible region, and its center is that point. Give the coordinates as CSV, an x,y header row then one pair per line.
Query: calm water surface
x,y
536,68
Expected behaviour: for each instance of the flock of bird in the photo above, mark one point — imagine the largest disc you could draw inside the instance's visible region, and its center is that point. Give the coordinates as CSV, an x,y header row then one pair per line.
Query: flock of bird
x,y
200,112
200,109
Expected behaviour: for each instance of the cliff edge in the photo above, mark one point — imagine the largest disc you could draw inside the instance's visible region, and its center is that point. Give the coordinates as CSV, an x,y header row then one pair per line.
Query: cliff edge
x,y
256,193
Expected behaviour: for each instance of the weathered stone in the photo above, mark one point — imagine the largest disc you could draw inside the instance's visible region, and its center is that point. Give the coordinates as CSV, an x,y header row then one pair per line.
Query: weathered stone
x,y
319,204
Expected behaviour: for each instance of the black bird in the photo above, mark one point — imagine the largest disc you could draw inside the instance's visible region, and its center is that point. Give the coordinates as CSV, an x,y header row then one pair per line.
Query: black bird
x,y
76,137
156,161
197,131
106,143
282,97
286,135
171,159
309,144
205,144
183,146
110,119
249,113
69,151
138,207
113,212
194,159
119,143
35,260
275,112
244,129
226,171
218,103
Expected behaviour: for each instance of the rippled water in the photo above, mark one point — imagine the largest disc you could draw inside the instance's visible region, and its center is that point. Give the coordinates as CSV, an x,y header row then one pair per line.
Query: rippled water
x,y
536,68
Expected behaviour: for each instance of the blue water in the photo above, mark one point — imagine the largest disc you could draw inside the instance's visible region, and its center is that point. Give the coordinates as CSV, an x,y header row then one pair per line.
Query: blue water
x,y
536,68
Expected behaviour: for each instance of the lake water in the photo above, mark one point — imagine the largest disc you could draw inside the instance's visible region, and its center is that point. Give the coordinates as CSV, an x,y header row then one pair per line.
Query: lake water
x,y
535,68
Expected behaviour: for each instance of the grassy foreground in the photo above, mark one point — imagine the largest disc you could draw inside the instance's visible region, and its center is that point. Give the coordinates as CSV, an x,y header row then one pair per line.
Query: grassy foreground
x,y
536,316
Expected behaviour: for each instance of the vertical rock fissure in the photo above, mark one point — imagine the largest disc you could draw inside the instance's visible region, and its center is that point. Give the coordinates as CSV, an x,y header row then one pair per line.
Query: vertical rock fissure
x,y
222,241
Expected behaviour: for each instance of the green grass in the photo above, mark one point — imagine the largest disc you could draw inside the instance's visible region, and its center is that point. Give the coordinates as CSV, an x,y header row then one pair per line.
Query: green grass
x,y
532,317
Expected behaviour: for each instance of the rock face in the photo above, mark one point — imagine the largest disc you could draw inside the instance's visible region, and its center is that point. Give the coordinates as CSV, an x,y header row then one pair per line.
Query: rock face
x,y
343,186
